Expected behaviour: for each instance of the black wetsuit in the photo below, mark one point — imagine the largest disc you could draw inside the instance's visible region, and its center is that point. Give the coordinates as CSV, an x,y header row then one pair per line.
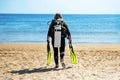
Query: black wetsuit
x,y
64,33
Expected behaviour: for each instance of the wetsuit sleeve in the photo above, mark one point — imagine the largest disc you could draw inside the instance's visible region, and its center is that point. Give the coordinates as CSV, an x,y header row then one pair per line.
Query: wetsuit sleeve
x,y
50,29
67,30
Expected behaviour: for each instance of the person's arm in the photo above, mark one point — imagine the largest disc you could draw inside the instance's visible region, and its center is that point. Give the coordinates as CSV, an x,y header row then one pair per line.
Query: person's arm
x,y
50,31
68,32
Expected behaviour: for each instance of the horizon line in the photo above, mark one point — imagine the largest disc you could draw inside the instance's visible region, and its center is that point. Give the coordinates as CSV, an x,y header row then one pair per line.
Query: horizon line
x,y
67,13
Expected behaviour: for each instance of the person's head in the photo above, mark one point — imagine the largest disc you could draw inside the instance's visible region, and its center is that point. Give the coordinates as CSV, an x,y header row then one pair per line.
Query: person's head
x,y
57,16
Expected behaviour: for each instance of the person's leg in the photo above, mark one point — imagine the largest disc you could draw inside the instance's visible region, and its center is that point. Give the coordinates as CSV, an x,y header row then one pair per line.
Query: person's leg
x,y
62,50
55,54
56,57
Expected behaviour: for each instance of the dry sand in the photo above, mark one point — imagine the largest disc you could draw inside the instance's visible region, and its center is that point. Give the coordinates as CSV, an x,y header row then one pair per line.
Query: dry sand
x,y
28,62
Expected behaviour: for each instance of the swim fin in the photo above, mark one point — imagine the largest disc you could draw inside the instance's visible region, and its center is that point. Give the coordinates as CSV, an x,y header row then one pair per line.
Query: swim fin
x,y
72,54
48,54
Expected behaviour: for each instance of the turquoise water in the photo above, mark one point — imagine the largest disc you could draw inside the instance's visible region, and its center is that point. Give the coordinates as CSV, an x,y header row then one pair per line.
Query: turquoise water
x,y
32,28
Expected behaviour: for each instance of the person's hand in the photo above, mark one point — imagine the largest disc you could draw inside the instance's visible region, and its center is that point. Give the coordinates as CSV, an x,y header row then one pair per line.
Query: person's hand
x,y
48,41
70,41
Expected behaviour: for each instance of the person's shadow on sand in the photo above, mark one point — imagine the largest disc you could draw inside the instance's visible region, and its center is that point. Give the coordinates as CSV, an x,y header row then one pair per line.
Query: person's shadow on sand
x,y
42,69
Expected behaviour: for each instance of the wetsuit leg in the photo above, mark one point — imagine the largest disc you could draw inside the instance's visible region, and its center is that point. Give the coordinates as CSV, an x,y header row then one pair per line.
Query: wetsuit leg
x,y
56,55
55,52
62,49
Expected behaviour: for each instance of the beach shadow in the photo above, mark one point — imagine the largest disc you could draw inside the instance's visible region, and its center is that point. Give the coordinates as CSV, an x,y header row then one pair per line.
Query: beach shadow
x,y
39,70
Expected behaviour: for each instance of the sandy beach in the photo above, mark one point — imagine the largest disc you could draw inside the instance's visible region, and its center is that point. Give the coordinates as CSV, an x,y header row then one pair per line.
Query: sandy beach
x,y
28,62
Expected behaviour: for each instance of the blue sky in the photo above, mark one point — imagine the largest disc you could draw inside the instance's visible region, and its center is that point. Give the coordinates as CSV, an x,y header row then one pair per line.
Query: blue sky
x,y
61,6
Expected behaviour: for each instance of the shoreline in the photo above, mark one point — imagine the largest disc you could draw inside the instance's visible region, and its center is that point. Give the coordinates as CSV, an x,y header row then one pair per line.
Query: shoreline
x,y
81,46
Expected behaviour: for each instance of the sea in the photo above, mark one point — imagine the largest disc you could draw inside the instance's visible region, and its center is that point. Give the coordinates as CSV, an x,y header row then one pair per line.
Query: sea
x,y
84,28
